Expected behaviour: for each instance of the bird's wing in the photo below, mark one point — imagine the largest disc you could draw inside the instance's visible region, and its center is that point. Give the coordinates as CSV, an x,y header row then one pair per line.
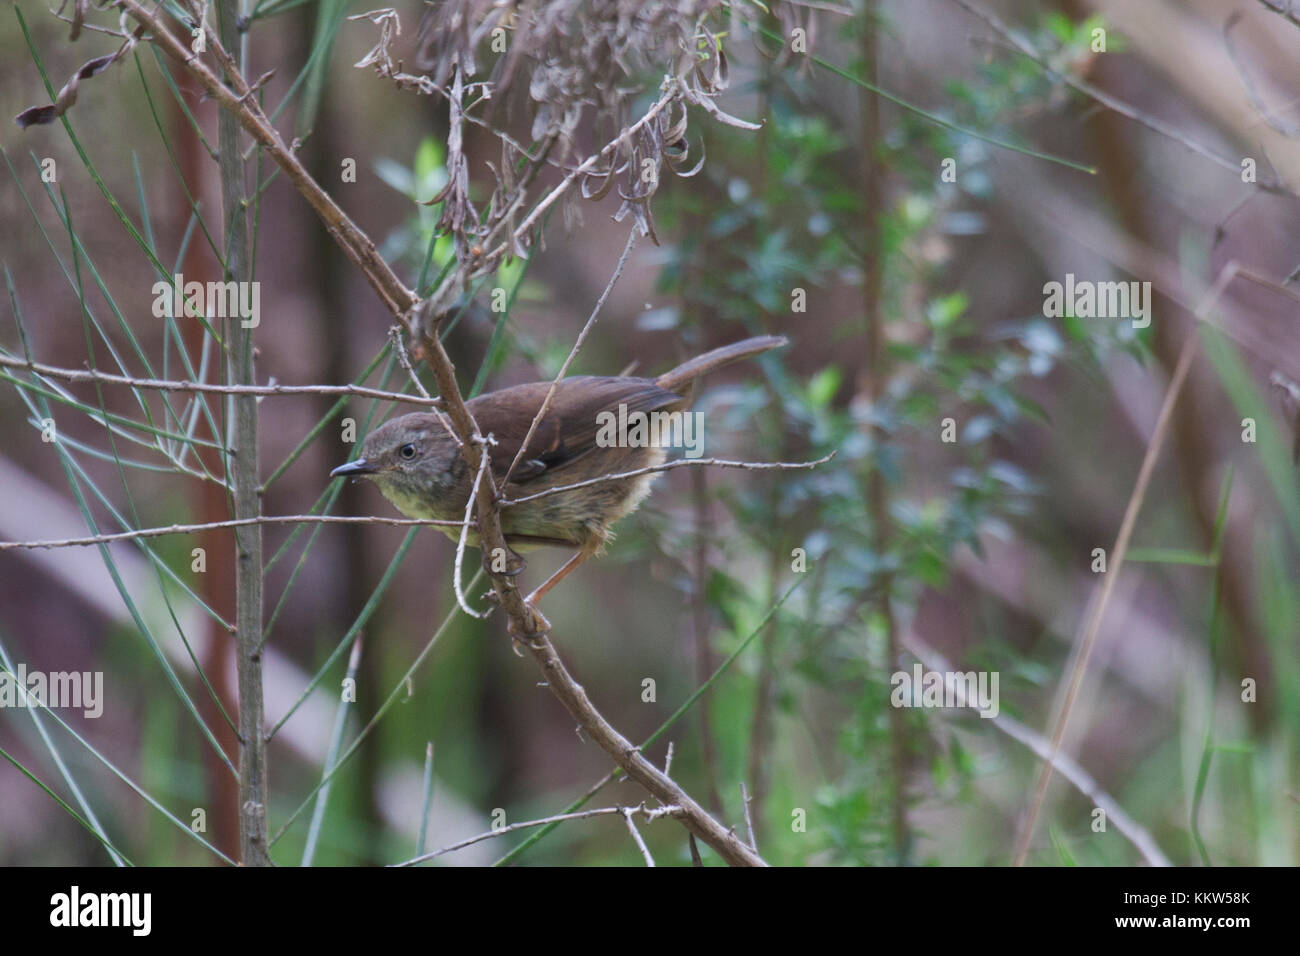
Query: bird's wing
x,y
571,424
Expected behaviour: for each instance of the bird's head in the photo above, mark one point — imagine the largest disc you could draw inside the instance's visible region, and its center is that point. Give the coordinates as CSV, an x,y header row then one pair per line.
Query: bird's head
x,y
416,465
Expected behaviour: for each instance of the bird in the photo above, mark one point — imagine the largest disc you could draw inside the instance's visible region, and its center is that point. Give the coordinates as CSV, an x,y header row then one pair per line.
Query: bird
x,y
584,434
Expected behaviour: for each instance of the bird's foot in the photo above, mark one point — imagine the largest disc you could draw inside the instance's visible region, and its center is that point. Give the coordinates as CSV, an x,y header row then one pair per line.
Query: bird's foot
x,y
540,627
515,564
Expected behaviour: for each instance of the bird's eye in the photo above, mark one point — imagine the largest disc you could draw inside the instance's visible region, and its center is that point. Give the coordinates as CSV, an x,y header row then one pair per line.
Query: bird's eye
x,y
408,451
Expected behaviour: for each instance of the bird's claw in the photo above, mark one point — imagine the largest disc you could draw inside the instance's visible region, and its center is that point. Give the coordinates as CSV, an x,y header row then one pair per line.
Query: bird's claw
x,y
541,627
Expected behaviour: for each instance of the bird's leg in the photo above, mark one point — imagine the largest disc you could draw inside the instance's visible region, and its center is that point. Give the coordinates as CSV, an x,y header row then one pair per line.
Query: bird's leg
x,y
515,563
558,576
542,624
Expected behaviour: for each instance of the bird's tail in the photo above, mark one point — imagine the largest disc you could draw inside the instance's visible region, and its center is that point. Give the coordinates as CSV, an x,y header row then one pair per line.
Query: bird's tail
x,y
686,373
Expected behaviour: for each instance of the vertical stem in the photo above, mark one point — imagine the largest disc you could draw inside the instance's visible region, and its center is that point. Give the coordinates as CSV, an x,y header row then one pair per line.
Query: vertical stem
x,y
209,499
700,625
760,732
253,847
876,373
760,737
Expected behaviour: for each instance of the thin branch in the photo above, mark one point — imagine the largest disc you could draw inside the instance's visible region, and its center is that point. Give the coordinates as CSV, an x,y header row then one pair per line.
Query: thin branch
x,y
1116,563
180,385
404,360
1283,8
90,540
484,458
649,814
669,466
694,817
594,789
573,353
1266,115
664,727
395,335
636,836
824,7
749,818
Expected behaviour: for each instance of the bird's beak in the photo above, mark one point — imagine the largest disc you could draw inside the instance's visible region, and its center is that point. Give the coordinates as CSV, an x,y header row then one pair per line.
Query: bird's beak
x,y
358,467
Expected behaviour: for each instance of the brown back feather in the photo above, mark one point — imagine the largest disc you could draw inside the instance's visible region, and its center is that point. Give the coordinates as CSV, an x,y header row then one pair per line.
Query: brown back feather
x,y
568,429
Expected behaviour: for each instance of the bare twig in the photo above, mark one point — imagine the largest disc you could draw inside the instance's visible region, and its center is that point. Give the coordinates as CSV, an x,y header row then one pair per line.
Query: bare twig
x,y
1283,8
180,385
649,814
1266,115
669,466
404,360
573,353
636,836
1113,568
694,817
749,818
464,531
96,539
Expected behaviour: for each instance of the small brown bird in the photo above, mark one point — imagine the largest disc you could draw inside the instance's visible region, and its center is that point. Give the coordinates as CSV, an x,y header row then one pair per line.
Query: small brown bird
x,y
584,434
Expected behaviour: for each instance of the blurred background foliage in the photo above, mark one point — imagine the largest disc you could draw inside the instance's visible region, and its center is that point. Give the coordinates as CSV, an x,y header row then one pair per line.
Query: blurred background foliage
x,y
910,299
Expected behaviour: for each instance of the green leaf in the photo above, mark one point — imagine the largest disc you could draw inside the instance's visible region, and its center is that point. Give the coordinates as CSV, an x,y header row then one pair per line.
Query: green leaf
x,y
823,386
1063,851
944,311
